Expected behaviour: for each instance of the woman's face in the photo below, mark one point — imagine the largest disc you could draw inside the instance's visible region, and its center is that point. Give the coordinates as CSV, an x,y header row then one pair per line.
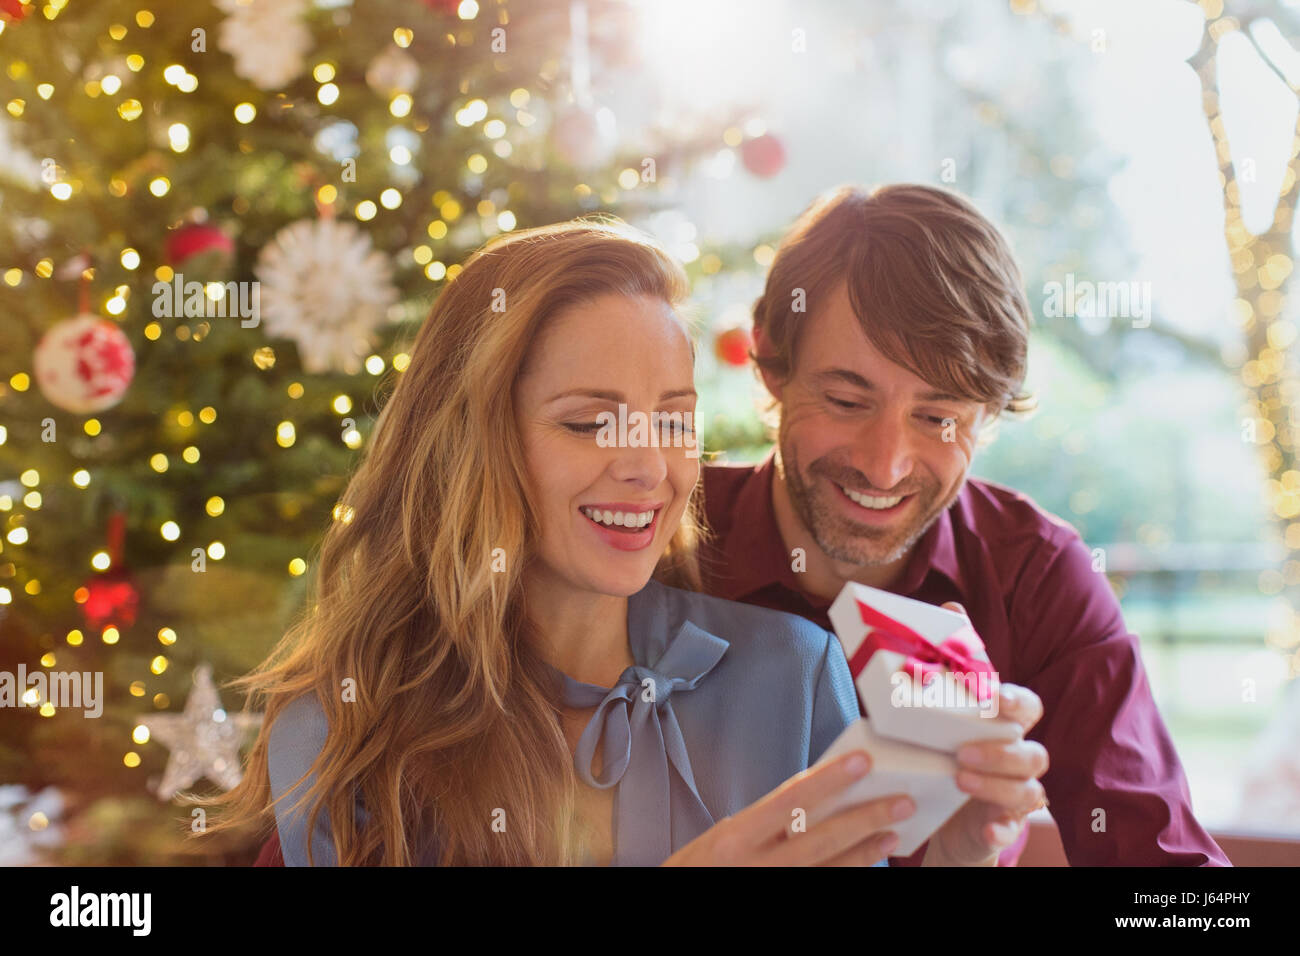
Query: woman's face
x,y
608,499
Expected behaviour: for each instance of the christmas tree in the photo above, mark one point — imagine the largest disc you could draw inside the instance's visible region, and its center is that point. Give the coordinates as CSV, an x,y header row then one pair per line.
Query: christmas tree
x,y
218,225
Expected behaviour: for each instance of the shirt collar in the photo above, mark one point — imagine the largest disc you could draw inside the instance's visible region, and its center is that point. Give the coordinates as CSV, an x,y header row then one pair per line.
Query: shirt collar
x,y
755,555
657,639
636,733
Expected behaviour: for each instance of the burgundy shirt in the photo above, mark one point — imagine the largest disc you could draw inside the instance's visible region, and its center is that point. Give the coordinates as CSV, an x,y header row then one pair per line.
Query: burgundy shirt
x,y
1048,621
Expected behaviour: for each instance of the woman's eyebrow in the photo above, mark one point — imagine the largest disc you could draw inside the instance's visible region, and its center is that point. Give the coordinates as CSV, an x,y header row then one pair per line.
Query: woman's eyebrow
x,y
609,396
588,393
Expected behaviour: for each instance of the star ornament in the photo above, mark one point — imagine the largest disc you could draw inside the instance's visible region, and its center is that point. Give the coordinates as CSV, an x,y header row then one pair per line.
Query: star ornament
x,y
203,739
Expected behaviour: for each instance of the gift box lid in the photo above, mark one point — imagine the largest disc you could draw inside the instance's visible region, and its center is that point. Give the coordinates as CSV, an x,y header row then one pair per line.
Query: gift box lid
x,y
941,717
932,623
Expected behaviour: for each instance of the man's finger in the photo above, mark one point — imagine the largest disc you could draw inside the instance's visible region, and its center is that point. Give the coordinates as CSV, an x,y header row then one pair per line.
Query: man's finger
x,y
1020,759
1020,704
1020,797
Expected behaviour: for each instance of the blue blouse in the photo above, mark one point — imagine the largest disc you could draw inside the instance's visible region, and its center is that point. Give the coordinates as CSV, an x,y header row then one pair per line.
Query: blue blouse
x,y
726,701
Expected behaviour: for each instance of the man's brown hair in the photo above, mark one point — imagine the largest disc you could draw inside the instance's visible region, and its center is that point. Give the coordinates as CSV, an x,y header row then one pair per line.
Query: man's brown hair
x,y
932,282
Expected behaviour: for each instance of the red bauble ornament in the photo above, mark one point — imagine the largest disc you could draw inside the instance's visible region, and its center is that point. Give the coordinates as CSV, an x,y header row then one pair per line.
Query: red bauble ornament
x,y
84,364
764,156
585,137
12,10
443,6
112,599
733,345
200,239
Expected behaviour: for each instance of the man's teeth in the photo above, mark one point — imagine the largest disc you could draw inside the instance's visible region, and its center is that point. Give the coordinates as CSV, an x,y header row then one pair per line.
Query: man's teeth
x,y
620,519
868,501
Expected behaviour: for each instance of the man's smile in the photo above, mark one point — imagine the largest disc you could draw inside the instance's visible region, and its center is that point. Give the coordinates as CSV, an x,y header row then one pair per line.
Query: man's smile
x,y
872,509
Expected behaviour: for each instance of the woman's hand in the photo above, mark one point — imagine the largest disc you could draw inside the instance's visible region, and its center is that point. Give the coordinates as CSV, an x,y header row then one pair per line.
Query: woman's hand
x,y
764,833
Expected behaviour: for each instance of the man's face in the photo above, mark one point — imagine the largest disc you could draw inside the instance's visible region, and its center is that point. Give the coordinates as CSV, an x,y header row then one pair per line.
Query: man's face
x,y
871,453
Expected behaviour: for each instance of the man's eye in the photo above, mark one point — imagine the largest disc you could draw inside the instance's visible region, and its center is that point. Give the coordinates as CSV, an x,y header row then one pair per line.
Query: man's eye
x,y
840,403
938,420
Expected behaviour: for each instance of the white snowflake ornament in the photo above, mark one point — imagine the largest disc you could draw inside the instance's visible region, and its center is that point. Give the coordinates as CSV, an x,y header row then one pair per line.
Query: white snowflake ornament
x,y
325,286
267,39
393,71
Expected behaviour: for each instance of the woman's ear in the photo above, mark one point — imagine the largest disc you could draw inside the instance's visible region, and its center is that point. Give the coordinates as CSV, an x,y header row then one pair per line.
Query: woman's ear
x,y
762,352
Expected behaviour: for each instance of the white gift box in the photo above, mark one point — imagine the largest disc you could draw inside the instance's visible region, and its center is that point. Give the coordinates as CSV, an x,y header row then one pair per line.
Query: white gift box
x,y
911,732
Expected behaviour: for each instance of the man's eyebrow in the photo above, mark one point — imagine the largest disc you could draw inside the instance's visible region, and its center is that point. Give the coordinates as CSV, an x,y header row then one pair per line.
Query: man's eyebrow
x,y
847,376
850,377
941,397
618,396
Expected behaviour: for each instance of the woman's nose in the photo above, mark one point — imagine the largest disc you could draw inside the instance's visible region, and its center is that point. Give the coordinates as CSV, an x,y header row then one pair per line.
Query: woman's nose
x,y
646,466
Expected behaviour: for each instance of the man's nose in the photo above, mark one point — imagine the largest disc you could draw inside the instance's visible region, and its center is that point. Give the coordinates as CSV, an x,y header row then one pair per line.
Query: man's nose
x,y
884,452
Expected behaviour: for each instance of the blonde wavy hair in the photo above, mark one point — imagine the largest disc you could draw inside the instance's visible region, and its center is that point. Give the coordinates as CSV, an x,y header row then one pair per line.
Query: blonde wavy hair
x,y
455,714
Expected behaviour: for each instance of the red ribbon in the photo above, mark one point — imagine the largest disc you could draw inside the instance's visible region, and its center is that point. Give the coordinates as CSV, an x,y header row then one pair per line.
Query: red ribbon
x,y
924,658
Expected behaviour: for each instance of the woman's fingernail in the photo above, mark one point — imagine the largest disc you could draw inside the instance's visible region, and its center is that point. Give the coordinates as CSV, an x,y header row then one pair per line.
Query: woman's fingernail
x,y
858,764
968,781
889,843
971,755
902,809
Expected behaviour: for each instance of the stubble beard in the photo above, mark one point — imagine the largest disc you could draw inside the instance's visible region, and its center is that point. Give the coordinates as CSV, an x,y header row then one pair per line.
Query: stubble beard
x,y
838,537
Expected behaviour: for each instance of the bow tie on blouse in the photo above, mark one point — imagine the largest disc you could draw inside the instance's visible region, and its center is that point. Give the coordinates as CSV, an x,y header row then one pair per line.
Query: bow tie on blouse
x,y
656,809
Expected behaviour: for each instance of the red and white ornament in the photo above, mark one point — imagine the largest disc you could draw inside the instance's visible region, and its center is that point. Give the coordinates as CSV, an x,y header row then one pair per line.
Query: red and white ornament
x,y
585,137
84,364
764,156
208,246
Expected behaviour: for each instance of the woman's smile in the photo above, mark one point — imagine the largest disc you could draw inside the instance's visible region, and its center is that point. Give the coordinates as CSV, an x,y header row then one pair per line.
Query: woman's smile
x,y
627,526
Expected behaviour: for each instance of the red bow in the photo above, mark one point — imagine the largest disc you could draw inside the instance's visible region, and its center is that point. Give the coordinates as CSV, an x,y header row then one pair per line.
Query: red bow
x,y
957,653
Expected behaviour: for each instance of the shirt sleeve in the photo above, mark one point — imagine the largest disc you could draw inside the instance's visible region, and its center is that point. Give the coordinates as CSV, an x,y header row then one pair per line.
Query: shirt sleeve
x,y
835,702
1115,784
297,737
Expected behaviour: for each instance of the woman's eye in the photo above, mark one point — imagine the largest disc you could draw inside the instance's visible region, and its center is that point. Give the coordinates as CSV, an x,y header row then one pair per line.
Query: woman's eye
x,y
583,428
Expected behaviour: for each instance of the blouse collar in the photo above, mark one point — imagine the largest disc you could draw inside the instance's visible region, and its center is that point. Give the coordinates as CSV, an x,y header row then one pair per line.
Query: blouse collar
x,y
637,731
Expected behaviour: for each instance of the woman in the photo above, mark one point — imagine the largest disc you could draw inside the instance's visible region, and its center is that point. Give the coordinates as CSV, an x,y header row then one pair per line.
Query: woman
x,y
490,675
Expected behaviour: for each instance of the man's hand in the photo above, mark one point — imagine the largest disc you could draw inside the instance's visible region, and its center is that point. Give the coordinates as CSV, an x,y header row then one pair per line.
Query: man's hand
x,y
1002,778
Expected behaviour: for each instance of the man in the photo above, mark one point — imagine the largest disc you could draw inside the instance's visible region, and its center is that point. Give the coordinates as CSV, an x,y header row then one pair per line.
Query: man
x,y
892,331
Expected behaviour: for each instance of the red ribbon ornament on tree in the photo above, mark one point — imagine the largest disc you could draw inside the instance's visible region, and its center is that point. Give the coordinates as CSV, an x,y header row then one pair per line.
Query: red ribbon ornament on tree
x,y
12,10
926,660
112,598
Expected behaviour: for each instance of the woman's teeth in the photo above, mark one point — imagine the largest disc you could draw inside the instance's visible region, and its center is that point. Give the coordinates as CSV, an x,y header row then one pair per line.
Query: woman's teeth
x,y
868,501
620,519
